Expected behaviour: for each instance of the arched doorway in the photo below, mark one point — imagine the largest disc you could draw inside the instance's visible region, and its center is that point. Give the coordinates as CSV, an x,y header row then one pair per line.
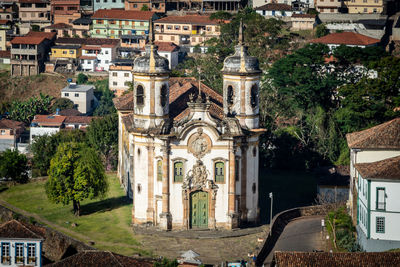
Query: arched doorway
x,y
199,209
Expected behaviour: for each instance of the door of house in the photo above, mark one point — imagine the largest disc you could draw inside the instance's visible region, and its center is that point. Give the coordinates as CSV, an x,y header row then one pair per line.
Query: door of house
x,y
199,209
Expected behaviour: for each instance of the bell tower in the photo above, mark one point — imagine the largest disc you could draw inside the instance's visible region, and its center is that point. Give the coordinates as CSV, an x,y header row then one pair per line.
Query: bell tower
x,y
241,81
150,87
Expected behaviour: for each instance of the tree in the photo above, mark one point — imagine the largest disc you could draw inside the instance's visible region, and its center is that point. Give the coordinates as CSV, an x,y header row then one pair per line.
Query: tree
x,y
321,30
102,135
14,166
26,110
75,174
82,78
44,147
61,104
106,105
145,8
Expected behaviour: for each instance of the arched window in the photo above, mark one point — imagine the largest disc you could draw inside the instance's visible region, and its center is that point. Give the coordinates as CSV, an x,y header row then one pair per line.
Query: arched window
x,y
178,171
254,96
163,95
219,172
159,170
139,95
230,95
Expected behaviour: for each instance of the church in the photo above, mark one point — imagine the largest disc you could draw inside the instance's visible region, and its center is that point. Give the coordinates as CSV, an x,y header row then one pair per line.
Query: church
x,y
188,156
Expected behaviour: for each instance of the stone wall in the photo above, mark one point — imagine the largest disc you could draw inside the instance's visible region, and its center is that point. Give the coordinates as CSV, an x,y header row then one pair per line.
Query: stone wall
x,y
56,244
279,223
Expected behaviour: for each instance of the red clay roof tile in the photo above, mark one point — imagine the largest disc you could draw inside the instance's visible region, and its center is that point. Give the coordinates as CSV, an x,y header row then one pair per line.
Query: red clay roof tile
x,y
346,38
383,169
120,14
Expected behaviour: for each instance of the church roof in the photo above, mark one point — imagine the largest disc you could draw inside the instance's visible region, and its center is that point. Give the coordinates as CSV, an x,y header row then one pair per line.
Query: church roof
x,y
179,90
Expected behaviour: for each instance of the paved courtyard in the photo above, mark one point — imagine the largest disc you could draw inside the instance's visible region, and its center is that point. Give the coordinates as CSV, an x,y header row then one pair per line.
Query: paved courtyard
x,y
213,246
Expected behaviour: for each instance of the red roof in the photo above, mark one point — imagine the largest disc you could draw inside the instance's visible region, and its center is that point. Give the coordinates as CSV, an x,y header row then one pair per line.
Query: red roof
x,y
78,119
5,54
59,26
188,19
47,35
310,16
383,169
28,40
275,7
346,38
10,124
122,14
165,46
4,21
88,57
49,120
34,1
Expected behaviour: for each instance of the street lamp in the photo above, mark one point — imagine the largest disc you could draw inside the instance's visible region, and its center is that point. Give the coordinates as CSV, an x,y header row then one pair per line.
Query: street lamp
x,y
272,200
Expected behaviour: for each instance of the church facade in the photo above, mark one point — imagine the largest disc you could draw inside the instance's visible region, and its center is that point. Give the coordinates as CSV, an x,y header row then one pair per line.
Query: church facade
x,y
188,156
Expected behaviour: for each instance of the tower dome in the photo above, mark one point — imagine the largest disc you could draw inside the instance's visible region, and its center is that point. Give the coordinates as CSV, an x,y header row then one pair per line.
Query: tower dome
x,y
151,62
241,61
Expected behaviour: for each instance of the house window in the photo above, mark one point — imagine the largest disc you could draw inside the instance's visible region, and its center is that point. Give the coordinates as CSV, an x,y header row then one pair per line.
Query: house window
x,y
185,28
71,52
3,132
115,83
5,253
134,5
365,10
139,95
66,94
254,96
169,27
19,253
64,52
380,225
177,27
126,74
230,95
76,95
163,95
106,52
380,199
219,172
31,253
159,170
178,171
115,74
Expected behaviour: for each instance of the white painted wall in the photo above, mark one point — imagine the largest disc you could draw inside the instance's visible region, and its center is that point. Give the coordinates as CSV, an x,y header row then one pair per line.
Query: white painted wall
x,y
25,242
118,82
39,131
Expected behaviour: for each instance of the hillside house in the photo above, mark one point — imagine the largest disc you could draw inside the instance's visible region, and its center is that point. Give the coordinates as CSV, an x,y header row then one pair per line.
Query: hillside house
x,y
324,6
374,144
45,124
120,76
170,51
33,12
378,208
114,23
28,53
158,6
350,39
65,11
303,22
275,10
10,131
82,96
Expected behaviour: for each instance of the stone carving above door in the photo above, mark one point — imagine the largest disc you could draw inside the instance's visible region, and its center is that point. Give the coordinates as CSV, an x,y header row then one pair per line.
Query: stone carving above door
x,y
196,179
199,144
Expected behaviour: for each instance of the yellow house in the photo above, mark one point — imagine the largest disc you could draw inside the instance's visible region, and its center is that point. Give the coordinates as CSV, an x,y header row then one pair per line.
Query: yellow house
x,y
365,6
65,52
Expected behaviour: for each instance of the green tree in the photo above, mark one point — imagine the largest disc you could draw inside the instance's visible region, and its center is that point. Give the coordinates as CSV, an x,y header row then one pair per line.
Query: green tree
x,y
102,135
106,104
61,104
26,110
75,174
44,148
14,166
145,8
321,30
82,78
166,263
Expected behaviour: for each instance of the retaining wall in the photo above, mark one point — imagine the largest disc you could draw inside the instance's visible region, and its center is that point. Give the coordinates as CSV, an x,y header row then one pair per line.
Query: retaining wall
x,y
279,223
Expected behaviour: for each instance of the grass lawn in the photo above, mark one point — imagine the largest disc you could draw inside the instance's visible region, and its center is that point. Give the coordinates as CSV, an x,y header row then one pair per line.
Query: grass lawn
x,y
290,189
106,222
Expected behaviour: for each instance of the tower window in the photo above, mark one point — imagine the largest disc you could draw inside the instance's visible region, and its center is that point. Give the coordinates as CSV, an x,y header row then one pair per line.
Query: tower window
x,y
254,96
139,95
178,171
163,95
219,172
159,170
230,95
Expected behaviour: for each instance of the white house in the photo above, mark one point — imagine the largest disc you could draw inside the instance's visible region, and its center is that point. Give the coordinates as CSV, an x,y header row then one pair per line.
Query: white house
x,y
378,217
275,10
45,124
21,245
82,96
350,39
374,144
98,54
120,77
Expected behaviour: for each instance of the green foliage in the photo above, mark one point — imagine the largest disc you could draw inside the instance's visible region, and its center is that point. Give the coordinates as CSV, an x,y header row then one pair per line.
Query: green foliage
x,y
321,30
346,55
25,110
35,28
75,174
82,78
102,135
4,107
166,263
145,8
106,104
340,222
61,104
44,148
14,166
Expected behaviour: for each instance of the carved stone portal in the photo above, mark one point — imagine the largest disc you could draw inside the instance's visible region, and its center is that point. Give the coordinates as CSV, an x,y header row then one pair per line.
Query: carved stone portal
x,y
199,144
196,180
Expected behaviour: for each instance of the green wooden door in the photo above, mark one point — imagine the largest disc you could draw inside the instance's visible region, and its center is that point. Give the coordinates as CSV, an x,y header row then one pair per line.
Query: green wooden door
x,y
199,209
